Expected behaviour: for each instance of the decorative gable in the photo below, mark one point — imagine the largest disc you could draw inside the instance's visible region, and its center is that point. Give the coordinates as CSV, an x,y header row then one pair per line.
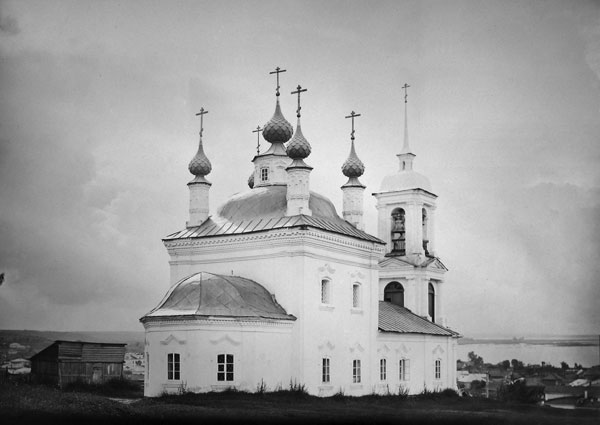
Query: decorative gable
x,y
394,262
225,338
438,350
172,339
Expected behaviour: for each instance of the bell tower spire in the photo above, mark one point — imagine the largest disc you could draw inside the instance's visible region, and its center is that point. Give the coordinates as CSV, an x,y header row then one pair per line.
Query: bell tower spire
x,y
405,156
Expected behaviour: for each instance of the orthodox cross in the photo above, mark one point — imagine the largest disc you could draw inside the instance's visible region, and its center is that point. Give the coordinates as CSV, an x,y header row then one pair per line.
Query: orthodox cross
x,y
201,113
405,87
277,71
298,91
257,131
352,115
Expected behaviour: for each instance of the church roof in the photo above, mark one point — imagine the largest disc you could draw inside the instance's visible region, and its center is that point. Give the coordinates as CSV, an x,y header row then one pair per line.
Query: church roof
x,y
265,208
207,294
393,318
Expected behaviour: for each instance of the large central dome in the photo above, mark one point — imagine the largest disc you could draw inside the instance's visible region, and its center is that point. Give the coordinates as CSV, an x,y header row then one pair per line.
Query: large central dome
x,y
270,202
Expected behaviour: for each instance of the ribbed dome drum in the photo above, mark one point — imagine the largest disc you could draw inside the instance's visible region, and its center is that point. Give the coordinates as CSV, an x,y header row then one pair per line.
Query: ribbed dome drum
x,y
278,129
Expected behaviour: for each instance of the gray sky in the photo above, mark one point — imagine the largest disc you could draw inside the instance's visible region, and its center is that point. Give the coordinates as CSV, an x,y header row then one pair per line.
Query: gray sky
x,y
97,127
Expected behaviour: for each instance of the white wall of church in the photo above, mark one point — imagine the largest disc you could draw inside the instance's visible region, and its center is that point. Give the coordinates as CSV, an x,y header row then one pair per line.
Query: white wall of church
x,y
420,352
292,266
266,345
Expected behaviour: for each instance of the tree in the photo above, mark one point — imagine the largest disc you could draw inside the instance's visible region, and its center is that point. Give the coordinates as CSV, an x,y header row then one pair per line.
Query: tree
x,y
476,361
564,365
505,364
516,364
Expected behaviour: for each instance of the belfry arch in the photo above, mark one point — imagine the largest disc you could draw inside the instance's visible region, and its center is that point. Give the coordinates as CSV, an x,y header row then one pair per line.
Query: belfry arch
x,y
398,232
394,293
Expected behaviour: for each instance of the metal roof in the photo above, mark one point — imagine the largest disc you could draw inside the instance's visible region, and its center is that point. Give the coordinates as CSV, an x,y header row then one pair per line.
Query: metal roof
x,y
264,208
393,318
206,294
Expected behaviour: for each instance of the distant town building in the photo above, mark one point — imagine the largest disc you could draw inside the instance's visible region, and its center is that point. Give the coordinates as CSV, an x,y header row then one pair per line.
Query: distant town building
x,y
64,362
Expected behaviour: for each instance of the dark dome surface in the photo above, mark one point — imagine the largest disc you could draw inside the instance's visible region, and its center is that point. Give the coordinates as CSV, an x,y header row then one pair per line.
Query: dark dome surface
x,y
208,294
270,202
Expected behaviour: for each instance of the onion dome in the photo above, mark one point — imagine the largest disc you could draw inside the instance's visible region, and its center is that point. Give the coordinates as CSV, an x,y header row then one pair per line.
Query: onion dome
x,y
278,129
353,167
251,181
200,165
298,147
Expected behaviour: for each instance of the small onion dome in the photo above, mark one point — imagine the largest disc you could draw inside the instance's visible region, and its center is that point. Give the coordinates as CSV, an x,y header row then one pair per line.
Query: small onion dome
x,y
251,181
200,165
278,129
353,167
298,147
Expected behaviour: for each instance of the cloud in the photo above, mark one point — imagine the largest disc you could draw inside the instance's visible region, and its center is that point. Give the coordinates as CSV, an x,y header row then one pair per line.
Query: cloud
x,y
8,24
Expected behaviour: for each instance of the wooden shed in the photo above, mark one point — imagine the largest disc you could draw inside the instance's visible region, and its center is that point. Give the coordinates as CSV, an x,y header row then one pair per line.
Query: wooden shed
x,y
69,361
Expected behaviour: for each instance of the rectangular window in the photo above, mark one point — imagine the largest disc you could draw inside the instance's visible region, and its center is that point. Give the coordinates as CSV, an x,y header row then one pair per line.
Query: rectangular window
x,y
325,370
356,371
325,298
264,174
225,367
356,295
173,367
438,369
404,370
382,369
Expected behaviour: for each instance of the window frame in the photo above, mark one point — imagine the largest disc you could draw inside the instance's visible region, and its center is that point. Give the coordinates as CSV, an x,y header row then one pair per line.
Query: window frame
x,y
225,367
325,370
325,291
383,369
356,371
437,369
356,295
404,370
264,174
173,367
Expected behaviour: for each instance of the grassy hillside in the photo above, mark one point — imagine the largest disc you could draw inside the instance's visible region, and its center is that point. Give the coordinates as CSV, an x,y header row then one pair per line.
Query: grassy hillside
x,y
26,403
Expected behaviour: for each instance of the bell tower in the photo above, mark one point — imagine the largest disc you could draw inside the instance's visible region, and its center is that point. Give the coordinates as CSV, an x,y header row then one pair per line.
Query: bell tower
x,y
411,275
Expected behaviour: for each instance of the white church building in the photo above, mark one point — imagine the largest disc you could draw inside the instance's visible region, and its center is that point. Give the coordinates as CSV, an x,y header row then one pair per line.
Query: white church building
x,y
278,288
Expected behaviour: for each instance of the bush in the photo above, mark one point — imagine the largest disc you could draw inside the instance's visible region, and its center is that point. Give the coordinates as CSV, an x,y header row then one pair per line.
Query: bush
x,y
520,392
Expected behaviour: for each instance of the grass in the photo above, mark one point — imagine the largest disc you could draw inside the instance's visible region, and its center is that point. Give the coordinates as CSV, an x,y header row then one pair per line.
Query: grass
x,y
25,403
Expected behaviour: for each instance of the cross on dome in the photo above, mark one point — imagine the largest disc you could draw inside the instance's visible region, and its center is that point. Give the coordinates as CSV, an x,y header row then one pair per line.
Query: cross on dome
x,y
257,131
299,90
200,166
353,166
277,71
352,115
201,113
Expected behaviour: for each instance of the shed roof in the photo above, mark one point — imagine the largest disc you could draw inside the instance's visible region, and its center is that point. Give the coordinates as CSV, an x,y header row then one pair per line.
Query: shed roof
x,y
393,318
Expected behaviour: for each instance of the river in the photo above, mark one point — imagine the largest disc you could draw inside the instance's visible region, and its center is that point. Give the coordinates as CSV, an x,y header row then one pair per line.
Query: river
x,y
531,353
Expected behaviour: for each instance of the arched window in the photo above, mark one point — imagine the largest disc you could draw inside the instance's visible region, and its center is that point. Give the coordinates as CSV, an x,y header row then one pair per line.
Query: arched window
x,y
394,293
431,302
325,292
438,369
356,295
398,232
403,165
425,236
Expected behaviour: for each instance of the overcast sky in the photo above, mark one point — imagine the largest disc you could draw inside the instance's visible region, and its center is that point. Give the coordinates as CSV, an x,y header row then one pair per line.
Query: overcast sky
x,y
97,126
